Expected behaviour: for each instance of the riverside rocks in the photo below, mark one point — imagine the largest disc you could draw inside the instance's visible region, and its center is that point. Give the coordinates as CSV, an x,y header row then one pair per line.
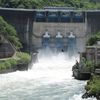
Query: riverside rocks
x,y
86,95
93,87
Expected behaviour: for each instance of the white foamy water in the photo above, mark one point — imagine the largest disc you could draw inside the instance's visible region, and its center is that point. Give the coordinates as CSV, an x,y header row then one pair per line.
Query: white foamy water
x,y
49,79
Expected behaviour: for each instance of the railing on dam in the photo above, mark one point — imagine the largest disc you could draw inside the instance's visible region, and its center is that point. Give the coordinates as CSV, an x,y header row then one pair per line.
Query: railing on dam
x,y
54,14
59,17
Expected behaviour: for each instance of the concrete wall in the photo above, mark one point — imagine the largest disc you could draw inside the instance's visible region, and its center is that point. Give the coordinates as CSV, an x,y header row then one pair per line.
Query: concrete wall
x,y
22,20
93,25
79,30
30,32
6,50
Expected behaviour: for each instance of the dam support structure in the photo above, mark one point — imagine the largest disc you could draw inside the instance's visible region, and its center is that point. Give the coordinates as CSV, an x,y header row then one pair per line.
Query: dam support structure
x,y
31,25
79,30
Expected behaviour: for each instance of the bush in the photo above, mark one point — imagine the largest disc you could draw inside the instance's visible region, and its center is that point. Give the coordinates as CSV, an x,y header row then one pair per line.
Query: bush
x,y
89,66
24,58
75,66
13,62
7,64
93,85
2,66
93,39
15,41
9,33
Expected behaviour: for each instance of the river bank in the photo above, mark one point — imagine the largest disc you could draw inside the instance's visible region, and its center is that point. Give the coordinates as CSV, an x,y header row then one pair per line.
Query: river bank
x,y
92,87
88,68
20,61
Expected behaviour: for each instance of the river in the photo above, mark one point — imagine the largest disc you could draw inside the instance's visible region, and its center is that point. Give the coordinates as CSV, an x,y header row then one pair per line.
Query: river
x,y
49,79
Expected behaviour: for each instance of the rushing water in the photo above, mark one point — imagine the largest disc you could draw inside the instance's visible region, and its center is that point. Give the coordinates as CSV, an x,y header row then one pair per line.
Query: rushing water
x,y
49,79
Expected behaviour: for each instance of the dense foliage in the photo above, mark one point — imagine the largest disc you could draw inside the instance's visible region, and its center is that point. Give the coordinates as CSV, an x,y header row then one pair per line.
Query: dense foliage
x,y
93,85
90,66
9,33
8,64
37,4
22,58
93,39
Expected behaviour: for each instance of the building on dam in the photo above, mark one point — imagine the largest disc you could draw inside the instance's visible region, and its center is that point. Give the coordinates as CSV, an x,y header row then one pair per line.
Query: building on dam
x,y
33,24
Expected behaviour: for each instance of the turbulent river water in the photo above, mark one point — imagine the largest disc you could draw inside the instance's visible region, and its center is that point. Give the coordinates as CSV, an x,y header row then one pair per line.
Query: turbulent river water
x,y
49,79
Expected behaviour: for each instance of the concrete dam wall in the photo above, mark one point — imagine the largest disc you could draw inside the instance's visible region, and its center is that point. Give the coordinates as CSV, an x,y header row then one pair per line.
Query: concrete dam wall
x,y
30,29
79,30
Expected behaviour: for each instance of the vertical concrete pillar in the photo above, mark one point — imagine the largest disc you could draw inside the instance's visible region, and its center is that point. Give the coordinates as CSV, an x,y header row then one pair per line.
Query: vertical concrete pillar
x,y
71,16
96,54
30,30
46,16
27,31
35,13
59,16
83,15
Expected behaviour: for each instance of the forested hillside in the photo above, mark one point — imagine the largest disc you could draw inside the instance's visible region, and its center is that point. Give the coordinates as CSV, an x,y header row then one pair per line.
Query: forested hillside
x,y
39,4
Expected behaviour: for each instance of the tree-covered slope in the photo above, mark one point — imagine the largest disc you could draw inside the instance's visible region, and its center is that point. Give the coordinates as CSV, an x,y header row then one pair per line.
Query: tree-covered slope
x,y
9,33
39,4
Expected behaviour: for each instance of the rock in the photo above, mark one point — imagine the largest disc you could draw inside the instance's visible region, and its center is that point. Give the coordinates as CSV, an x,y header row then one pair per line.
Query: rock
x,y
85,95
98,98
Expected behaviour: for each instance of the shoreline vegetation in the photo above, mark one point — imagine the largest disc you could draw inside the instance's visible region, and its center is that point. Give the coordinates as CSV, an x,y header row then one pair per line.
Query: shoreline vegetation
x,y
92,87
9,61
20,58
93,84
91,66
8,34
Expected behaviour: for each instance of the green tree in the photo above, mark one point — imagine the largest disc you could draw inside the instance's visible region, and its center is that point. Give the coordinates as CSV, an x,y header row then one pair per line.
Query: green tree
x,y
93,39
38,4
24,58
93,86
9,33
7,64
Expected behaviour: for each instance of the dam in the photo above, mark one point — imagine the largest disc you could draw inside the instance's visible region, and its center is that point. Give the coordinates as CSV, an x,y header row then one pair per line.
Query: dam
x,y
33,24
51,28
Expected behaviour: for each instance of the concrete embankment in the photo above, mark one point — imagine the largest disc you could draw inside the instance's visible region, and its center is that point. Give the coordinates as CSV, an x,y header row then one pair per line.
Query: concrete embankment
x,y
21,67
